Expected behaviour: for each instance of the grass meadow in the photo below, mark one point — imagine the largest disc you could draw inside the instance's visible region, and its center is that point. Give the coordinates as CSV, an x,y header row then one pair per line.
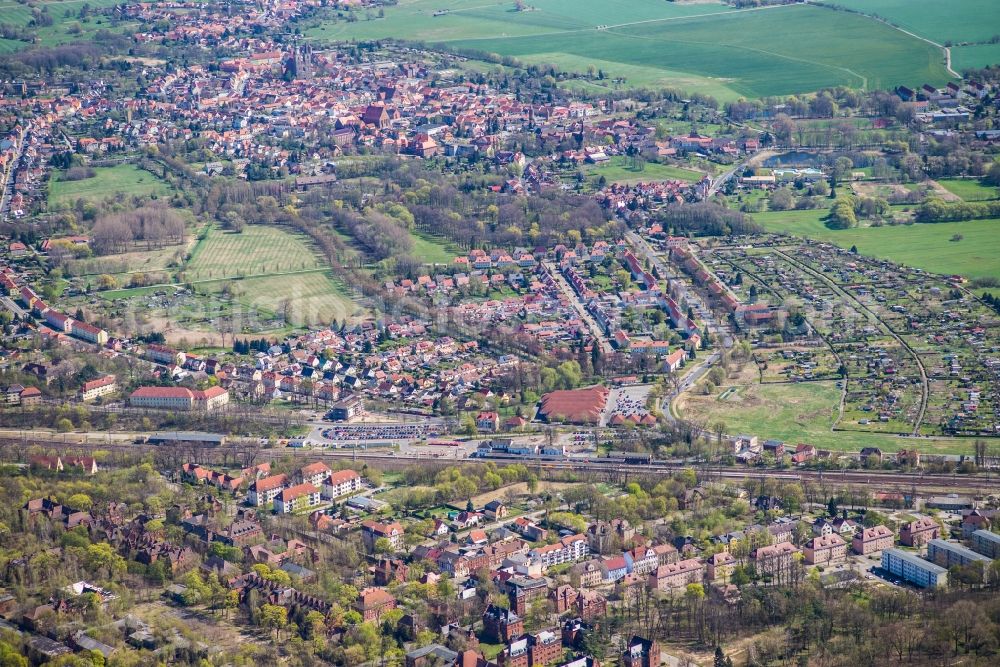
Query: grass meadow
x,y
431,250
108,182
617,170
67,26
969,189
925,246
802,412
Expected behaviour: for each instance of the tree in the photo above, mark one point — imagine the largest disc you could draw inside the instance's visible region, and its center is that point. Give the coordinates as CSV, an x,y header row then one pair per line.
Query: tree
x,y
383,545
11,657
80,501
275,617
102,557
831,507
992,176
781,200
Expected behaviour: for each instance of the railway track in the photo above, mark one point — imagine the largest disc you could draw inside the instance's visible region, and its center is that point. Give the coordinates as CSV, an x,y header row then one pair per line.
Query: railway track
x,y
881,480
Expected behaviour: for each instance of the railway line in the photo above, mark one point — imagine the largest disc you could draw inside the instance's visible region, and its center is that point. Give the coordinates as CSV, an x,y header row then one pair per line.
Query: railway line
x,y
984,483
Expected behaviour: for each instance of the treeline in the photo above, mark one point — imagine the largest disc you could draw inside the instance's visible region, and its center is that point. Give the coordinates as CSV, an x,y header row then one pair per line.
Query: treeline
x,y
992,301
252,345
155,225
706,219
381,235
847,209
937,210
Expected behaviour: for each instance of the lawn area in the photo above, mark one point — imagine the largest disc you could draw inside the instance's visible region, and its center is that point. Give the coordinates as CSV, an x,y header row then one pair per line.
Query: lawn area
x,y
617,170
704,46
925,246
969,189
803,412
431,250
955,20
257,250
108,182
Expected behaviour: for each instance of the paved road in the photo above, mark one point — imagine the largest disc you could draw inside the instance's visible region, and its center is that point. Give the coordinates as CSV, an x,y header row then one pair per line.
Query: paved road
x,y
595,329
9,304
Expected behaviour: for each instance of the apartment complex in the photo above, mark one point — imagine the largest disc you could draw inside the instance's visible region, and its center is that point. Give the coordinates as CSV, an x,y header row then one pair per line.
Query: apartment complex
x,y
179,398
952,554
872,540
102,386
986,543
825,550
913,569
294,498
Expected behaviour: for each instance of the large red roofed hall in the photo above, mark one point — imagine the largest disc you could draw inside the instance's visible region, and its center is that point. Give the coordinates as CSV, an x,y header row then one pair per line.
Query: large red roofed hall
x,y
576,406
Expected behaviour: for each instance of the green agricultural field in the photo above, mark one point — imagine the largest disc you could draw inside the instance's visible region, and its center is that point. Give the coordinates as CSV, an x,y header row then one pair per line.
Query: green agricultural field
x,y
955,20
969,189
696,46
794,413
108,182
258,250
925,246
618,170
974,56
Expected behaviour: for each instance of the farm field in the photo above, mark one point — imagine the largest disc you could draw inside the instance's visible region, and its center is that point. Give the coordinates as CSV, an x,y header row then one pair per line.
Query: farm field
x,y
617,170
794,413
956,20
108,182
474,19
258,250
924,246
974,56
758,52
969,189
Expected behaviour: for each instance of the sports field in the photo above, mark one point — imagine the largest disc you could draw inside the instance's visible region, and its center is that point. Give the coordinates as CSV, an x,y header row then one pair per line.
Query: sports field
x,y
312,298
698,46
925,246
108,182
794,413
258,250
272,270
